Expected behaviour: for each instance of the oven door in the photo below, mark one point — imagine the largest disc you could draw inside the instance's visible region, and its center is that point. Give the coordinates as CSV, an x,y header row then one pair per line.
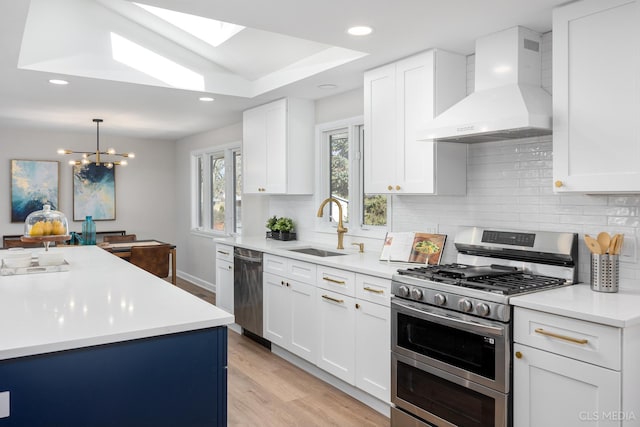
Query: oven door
x,y
442,399
471,348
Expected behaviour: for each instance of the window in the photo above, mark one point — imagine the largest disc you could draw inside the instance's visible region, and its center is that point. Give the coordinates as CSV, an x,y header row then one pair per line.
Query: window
x,y
217,200
342,177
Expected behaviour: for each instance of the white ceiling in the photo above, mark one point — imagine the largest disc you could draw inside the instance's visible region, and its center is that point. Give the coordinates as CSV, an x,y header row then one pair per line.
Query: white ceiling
x,y
401,28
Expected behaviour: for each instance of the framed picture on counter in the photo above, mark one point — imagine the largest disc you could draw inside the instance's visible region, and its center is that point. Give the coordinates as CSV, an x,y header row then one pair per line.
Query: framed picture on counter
x,y
421,248
34,183
94,192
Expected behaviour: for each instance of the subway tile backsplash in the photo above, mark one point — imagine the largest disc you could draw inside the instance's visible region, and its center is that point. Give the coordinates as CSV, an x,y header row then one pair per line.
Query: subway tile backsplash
x,y
508,190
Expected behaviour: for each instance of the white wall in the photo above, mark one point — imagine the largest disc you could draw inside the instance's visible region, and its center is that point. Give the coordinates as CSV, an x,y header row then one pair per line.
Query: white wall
x,y
145,192
196,260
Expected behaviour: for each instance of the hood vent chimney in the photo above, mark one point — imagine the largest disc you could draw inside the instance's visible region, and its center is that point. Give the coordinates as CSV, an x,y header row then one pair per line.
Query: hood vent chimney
x,y
508,101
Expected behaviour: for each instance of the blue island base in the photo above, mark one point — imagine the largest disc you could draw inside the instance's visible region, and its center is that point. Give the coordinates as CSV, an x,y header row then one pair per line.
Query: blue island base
x,y
169,380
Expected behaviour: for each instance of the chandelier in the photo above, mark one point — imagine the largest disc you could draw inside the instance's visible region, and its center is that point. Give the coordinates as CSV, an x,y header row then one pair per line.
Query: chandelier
x,y
99,158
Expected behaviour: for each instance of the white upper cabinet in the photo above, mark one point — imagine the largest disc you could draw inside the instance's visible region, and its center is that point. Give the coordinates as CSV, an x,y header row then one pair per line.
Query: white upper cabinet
x,y
596,97
277,147
398,99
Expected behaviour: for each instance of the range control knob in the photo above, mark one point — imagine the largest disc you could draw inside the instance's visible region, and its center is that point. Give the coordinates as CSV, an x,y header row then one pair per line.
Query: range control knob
x,y
465,305
403,291
483,309
439,299
416,294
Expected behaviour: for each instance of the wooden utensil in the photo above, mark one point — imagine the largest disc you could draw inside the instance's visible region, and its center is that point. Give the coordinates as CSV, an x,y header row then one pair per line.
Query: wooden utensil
x,y
592,244
613,243
604,239
618,247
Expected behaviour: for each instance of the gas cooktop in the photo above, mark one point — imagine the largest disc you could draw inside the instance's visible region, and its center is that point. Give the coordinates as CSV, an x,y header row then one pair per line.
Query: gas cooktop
x,y
498,279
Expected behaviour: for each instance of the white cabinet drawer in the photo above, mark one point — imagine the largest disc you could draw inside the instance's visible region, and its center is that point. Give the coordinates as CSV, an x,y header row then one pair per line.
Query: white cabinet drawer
x,y
578,339
374,289
301,271
337,280
224,252
274,264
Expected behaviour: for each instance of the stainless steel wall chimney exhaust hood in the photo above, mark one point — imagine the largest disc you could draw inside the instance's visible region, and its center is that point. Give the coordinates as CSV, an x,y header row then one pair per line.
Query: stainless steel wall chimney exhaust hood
x,y
508,101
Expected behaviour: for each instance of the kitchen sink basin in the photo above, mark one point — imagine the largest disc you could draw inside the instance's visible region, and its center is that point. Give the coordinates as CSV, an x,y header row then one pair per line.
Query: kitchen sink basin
x,y
316,252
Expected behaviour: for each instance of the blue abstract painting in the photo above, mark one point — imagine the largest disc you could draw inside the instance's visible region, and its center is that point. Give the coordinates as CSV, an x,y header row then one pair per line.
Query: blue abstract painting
x,y
94,192
34,183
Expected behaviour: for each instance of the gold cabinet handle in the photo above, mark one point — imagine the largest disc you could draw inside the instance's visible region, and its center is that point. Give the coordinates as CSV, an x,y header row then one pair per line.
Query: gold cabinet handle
x,y
223,253
397,188
329,279
339,301
558,184
390,188
375,291
561,337
357,306
518,355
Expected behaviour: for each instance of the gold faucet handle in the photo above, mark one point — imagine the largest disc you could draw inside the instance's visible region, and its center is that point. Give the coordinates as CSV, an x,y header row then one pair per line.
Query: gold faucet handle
x,y
360,245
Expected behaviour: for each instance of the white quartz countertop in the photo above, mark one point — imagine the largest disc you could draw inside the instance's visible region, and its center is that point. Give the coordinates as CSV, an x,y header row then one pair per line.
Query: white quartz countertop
x,y
101,299
620,309
366,263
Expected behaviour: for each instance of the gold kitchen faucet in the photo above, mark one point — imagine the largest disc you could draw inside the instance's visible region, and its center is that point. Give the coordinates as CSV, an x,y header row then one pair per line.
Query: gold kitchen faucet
x,y
341,229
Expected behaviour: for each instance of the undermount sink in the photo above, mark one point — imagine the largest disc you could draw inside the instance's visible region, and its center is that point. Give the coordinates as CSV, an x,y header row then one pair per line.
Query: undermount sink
x,y
316,252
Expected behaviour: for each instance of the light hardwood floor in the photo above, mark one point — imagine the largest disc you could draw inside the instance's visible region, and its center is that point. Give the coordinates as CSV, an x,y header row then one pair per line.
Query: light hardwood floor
x,y
265,390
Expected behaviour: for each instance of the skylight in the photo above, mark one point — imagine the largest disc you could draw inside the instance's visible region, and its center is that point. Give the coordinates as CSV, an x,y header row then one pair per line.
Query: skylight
x,y
208,30
154,65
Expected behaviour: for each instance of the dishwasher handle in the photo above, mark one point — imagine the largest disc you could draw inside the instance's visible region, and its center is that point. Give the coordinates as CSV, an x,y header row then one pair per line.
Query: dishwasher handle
x,y
247,255
248,258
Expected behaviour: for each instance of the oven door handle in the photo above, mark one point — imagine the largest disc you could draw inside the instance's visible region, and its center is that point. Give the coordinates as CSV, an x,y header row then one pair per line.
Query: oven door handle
x,y
441,319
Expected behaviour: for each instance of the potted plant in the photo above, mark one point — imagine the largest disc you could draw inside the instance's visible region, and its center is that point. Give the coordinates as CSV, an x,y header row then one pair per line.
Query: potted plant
x,y
271,225
281,228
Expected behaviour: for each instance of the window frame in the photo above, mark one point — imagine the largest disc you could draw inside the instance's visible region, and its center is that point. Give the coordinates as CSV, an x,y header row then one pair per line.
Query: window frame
x,y
354,127
201,208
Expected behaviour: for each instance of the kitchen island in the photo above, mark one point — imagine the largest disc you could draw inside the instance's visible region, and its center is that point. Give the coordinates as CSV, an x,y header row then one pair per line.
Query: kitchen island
x,y
108,344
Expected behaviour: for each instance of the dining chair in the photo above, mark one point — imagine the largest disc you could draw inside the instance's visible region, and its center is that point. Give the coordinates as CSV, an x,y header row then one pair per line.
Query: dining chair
x,y
154,259
118,238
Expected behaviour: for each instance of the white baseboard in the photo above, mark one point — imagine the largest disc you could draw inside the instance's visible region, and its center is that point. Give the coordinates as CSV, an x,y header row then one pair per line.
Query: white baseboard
x,y
197,281
356,393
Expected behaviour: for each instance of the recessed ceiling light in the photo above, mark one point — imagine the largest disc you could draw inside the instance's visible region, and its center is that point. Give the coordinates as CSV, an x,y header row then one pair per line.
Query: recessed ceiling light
x,y
360,30
206,99
327,86
58,82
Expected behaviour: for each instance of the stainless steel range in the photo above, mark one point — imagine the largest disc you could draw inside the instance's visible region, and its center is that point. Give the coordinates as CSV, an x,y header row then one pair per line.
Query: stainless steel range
x,y
451,325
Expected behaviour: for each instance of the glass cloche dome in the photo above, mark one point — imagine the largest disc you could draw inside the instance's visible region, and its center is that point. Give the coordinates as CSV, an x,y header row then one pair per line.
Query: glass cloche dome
x,y
45,223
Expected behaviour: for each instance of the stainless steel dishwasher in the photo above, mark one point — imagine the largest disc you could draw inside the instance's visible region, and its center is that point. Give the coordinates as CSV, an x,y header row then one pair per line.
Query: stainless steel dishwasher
x,y
247,290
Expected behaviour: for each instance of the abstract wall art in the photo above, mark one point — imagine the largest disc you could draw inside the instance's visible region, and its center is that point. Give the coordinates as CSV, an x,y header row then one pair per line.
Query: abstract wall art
x,y
94,192
34,183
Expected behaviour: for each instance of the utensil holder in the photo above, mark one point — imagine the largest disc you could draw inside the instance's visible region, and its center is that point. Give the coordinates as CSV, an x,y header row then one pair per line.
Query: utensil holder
x,y
605,272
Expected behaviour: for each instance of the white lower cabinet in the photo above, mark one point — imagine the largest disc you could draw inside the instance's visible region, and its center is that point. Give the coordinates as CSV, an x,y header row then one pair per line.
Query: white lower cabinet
x,y
224,277
373,349
336,319
553,390
354,339
568,372
336,334
289,309
276,310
